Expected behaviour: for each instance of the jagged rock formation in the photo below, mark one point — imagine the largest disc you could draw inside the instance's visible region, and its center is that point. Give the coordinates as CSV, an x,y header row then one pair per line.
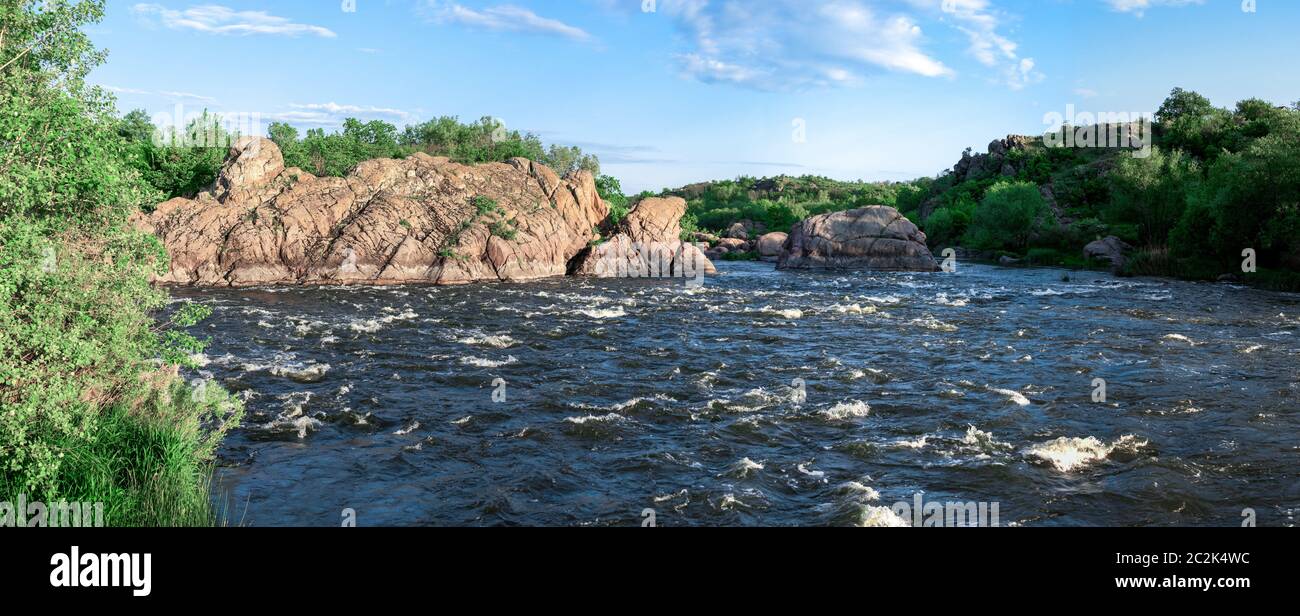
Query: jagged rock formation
x,y
419,220
875,237
647,244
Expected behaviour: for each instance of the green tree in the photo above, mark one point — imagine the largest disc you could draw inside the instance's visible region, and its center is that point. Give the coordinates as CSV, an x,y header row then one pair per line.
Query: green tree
x,y
91,408
1009,214
1152,192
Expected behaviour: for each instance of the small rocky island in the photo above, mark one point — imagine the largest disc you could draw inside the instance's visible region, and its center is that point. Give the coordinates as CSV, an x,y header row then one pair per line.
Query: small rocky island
x,y
426,219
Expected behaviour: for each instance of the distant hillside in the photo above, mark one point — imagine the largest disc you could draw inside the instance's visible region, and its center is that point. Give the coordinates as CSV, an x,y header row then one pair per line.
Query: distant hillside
x,y
779,202
1215,185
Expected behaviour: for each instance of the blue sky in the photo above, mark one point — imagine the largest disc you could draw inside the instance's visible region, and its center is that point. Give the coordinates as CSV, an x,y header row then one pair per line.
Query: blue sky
x,y
704,89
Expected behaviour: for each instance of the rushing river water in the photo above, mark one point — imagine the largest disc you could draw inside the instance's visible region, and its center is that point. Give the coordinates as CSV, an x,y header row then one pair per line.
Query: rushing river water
x,y
765,398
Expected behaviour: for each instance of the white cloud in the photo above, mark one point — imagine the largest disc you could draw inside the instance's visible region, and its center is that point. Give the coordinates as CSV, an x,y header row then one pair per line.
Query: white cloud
x,y
332,114
162,93
188,96
503,18
783,44
982,25
216,19
1139,7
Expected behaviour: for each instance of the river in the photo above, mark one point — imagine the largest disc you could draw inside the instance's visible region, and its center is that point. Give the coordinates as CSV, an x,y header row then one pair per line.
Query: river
x,y
761,398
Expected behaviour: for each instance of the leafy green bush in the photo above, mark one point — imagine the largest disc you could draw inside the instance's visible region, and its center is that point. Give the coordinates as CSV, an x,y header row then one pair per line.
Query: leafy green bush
x,y
1152,192
91,406
609,189
1009,214
945,227
178,165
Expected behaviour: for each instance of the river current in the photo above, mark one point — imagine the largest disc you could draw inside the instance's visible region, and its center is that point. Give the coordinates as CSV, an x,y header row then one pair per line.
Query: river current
x,y
761,398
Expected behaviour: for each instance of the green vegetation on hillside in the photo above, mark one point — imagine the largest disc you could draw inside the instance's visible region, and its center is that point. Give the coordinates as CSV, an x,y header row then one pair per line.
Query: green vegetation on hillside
x,y
1216,182
184,164
778,203
91,406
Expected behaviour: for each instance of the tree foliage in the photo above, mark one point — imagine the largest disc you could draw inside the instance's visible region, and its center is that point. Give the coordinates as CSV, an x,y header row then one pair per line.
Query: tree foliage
x,y
89,409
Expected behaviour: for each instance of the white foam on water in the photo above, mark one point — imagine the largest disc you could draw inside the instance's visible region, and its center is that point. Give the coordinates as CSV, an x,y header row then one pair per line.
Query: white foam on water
x,y
853,309
1067,454
881,517
462,421
585,419
488,363
667,497
916,443
603,313
1012,396
982,440
847,410
943,300
496,342
729,501
786,313
309,373
292,416
412,427
933,324
815,474
743,467
888,300
1251,349
859,491
622,406
1180,338
367,326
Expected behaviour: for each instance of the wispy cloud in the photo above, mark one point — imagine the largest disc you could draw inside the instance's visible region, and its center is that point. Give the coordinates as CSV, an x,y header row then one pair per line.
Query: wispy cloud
x,y
217,19
1139,7
502,18
332,114
163,93
620,154
779,44
982,24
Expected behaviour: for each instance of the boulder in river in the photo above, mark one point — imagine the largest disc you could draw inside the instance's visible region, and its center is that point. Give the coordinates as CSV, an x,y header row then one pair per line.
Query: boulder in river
x,y
1111,249
875,237
422,219
770,245
647,244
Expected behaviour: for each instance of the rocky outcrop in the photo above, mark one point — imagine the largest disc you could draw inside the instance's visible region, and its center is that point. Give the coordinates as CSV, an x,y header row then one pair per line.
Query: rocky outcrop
x,y
875,237
423,219
1111,249
647,244
733,245
770,246
744,230
1004,158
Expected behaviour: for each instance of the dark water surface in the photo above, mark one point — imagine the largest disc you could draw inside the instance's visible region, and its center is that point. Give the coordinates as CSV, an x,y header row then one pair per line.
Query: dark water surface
x,y
623,395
